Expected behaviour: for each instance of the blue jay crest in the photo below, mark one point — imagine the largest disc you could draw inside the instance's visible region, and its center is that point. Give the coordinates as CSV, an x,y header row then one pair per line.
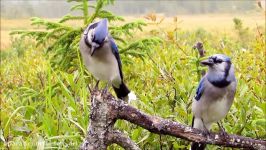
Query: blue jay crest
x,y
95,34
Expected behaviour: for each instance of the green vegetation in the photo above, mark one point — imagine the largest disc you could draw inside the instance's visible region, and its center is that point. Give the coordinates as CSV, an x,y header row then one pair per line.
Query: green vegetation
x,y
44,88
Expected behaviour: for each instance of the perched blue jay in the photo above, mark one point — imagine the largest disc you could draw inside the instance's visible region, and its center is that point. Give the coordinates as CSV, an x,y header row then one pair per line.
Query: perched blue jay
x,y
101,57
214,95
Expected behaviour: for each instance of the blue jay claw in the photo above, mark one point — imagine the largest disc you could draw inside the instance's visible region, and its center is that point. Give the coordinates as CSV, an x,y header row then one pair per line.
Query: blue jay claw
x,y
222,130
206,132
105,90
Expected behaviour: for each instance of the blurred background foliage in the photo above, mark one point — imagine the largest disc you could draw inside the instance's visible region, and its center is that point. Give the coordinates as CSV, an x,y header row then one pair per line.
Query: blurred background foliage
x,y
26,8
44,85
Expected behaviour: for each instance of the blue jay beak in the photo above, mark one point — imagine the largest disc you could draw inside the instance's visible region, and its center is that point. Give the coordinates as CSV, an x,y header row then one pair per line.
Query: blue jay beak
x,y
207,62
92,50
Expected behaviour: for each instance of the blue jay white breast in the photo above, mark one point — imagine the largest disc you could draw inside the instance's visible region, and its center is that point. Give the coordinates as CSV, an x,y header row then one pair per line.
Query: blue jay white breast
x,y
97,53
215,93
103,64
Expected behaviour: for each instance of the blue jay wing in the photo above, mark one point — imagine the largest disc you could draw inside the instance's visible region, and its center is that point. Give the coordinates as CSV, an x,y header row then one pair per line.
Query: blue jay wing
x,y
200,89
116,54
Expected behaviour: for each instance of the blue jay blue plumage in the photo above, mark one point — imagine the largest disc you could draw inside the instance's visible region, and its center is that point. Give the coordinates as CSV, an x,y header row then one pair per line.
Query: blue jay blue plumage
x,y
101,57
214,95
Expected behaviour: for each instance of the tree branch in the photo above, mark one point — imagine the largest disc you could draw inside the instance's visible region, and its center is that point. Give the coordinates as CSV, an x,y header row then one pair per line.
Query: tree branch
x,y
162,126
105,110
122,140
199,47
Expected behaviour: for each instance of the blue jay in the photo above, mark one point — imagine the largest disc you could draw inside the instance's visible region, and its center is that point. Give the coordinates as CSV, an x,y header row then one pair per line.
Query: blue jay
x,y
101,57
214,95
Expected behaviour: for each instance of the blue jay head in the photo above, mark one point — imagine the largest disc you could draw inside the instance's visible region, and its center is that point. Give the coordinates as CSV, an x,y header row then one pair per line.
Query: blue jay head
x,y
217,62
96,34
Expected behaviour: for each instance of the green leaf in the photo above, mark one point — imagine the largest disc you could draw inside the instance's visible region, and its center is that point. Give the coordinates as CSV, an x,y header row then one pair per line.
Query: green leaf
x,y
260,122
243,90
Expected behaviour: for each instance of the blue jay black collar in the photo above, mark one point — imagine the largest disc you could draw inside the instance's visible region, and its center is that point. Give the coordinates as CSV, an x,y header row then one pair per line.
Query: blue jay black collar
x,y
223,83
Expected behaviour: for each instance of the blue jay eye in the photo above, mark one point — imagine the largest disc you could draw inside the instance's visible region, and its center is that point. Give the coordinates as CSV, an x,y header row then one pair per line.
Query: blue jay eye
x,y
218,61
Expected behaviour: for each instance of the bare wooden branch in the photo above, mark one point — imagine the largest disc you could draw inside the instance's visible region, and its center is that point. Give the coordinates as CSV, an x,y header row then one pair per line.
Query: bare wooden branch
x,y
162,126
122,140
199,47
110,109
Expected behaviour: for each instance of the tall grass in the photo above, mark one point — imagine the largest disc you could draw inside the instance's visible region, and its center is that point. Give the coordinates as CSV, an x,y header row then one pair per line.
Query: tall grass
x,y
43,107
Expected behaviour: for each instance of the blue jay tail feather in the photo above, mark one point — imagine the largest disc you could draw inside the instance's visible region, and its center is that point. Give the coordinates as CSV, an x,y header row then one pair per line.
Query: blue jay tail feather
x,y
122,91
197,146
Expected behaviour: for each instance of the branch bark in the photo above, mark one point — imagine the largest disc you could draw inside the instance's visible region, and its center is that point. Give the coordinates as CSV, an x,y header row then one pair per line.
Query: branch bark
x,y
122,140
105,110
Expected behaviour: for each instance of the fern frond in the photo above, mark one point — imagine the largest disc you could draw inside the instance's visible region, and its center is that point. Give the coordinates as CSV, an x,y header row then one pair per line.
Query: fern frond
x,y
55,33
98,7
109,16
127,29
49,25
65,39
34,34
70,17
77,7
142,44
117,38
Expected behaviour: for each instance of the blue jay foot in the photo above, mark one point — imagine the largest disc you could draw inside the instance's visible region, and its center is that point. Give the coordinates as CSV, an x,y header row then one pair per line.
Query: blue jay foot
x,y
206,132
105,89
222,130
